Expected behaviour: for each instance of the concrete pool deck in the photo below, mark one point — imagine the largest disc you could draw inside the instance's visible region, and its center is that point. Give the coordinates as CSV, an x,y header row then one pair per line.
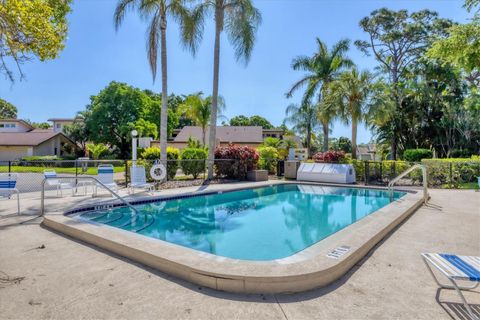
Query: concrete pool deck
x,y
69,279
308,269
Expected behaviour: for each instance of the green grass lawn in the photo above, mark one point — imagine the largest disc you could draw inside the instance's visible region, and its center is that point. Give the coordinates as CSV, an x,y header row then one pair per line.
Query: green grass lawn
x,y
31,169
465,185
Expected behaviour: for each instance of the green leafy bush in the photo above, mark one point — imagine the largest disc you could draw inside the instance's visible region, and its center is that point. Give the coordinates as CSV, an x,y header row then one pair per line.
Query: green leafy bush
x,y
452,173
153,153
416,155
267,158
193,161
460,153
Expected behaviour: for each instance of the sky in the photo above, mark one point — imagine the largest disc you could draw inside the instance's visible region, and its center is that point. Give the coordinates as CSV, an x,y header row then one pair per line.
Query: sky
x,y
96,54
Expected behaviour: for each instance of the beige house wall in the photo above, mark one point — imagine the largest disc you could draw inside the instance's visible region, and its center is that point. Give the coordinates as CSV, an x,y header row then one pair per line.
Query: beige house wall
x,y
51,147
8,153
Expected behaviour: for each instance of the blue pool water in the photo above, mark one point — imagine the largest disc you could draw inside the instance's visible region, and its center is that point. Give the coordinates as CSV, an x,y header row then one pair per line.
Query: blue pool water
x,y
255,224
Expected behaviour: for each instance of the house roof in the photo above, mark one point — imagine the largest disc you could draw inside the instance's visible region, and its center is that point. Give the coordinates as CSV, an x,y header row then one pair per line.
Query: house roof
x,y
250,134
30,138
26,124
369,148
61,120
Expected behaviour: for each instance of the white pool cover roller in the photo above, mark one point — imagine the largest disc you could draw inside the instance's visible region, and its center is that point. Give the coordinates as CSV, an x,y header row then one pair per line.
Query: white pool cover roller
x,y
326,172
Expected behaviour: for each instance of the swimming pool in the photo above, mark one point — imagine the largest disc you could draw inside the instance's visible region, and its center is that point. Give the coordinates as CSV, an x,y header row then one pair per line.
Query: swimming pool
x,y
259,224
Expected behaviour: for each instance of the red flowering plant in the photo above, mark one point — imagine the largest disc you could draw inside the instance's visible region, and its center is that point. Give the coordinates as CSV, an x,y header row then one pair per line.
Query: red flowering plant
x,y
233,161
329,156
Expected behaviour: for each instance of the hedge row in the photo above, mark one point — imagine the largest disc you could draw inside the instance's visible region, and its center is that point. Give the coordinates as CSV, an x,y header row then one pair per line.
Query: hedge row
x,y
450,173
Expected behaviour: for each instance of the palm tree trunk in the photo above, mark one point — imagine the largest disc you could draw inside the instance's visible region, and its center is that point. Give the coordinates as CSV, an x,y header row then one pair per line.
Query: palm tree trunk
x,y
325,136
354,138
164,109
204,128
216,68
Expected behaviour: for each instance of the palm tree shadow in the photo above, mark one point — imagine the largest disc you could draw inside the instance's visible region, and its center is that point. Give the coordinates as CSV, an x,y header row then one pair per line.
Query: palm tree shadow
x,y
457,310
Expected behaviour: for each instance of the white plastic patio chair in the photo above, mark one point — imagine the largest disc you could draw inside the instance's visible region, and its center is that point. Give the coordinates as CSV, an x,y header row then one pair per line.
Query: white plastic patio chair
x,y
139,180
105,176
455,268
8,186
59,186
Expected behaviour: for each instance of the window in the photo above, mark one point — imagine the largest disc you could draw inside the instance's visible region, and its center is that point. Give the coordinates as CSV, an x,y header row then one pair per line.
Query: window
x,y
2,125
58,125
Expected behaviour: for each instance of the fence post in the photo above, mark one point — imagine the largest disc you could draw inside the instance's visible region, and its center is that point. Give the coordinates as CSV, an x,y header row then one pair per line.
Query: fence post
x,y
381,172
126,172
394,170
9,167
366,171
76,175
450,173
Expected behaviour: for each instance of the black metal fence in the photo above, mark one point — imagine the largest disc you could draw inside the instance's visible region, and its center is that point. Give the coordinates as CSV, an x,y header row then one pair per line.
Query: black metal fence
x,y
180,173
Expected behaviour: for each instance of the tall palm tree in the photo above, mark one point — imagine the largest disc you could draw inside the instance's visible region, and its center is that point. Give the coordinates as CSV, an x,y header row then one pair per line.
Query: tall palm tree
x,y
240,20
350,96
304,120
321,69
199,110
157,12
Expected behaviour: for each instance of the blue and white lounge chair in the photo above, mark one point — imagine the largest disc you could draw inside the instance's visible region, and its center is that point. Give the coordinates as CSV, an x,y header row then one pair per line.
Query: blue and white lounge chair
x,y
455,268
59,186
105,176
8,186
139,179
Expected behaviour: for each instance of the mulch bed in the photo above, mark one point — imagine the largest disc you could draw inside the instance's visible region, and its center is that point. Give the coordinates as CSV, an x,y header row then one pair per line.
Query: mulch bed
x,y
191,183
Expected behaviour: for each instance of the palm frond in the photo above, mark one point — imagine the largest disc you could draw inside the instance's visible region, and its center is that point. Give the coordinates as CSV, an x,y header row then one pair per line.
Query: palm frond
x,y
152,43
242,22
120,11
192,24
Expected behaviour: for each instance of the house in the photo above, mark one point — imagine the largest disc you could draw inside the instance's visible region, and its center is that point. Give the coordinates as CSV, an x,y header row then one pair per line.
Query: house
x,y
19,139
367,152
248,135
252,136
60,123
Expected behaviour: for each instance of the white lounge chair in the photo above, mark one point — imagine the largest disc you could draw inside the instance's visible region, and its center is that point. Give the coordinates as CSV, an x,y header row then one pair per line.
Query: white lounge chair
x,y
455,268
105,176
8,186
139,179
59,186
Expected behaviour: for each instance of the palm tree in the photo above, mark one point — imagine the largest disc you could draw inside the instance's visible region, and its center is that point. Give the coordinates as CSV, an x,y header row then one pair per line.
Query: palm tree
x,y
156,12
321,69
350,96
303,120
199,110
240,19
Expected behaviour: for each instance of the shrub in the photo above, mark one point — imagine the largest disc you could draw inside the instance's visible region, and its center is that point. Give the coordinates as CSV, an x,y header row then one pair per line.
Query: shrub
x,y
267,158
234,161
452,172
460,153
193,161
41,158
329,156
153,153
416,155
96,150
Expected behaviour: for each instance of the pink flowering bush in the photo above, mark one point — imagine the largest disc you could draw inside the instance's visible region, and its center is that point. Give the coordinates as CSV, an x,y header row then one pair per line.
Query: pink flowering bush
x,y
329,156
234,161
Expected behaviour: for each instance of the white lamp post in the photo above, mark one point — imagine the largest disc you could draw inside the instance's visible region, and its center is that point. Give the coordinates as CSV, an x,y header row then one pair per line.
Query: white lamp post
x,y
134,147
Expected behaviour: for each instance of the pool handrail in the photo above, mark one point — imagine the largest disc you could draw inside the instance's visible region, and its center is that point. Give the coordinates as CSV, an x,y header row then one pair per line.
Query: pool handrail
x,y
404,173
42,208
